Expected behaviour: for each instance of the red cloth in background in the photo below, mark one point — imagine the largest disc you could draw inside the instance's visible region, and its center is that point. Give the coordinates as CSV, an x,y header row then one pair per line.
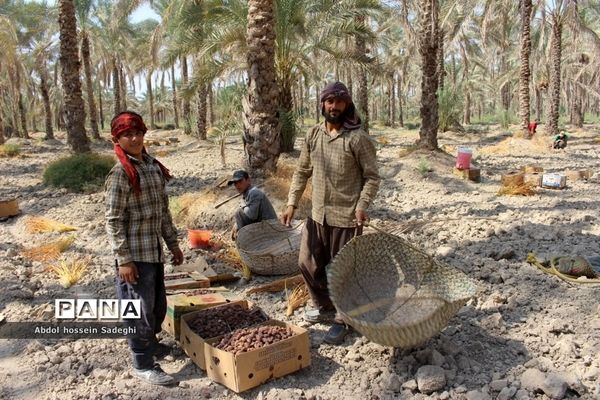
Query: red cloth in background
x,y
532,127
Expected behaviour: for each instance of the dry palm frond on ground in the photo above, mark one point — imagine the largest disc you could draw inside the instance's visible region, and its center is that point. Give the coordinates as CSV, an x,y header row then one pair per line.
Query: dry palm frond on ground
x,y
298,298
278,285
48,251
188,206
525,189
69,272
36,224
383,140
232,257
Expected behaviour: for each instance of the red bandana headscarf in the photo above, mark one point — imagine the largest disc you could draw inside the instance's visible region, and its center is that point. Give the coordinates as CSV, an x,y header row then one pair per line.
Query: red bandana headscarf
x,y
119,125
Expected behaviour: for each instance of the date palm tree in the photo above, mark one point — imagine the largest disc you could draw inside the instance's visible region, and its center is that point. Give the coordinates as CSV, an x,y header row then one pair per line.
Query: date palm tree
x,y
429,40
525,70
84,10
70,72
262,128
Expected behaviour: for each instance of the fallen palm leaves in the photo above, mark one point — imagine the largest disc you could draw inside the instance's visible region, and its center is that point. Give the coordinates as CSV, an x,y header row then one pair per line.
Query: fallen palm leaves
x,y
70,272
36,224
50,251
231,256
278,285
297,299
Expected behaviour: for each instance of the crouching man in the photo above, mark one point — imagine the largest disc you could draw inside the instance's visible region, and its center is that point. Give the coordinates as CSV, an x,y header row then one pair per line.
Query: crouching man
x,y
255,205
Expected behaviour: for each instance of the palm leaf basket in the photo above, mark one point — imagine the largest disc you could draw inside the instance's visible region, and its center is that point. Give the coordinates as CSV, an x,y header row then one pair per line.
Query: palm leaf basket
x,y
269,247
393,293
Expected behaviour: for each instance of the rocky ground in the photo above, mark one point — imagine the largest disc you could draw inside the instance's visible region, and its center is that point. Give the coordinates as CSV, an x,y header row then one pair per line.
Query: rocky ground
x,y
525,334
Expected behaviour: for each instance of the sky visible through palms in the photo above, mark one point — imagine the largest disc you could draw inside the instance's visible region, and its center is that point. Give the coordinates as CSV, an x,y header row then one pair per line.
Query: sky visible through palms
x,y
141,13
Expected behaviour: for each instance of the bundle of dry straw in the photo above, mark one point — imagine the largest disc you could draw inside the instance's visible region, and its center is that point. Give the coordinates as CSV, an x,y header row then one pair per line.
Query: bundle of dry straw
x,y
231,256
50,251
69,272
298,298
35,224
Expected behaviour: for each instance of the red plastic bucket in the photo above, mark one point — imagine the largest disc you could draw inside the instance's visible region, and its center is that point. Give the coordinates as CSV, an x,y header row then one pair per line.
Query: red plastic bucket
x,y
463,159
199,238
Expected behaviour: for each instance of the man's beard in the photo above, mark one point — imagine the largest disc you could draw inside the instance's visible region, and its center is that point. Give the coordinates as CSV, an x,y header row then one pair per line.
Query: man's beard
x,y
335,120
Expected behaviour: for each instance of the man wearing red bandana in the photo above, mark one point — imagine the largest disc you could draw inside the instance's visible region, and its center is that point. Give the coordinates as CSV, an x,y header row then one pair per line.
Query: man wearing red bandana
x,y
137,217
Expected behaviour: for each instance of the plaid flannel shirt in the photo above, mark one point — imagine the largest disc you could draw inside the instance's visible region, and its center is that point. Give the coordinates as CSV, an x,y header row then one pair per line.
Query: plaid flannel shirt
x,y
344,175
135,223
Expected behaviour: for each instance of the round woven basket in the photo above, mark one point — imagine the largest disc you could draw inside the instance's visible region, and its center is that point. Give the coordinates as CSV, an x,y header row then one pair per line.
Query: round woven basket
x,y
269,247
393,293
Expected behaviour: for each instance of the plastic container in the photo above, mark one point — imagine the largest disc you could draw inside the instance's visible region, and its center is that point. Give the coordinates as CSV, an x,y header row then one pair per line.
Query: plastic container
x,y
199,238
463,159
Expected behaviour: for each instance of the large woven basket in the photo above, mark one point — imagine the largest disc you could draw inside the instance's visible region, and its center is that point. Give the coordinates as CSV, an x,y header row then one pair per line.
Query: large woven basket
x,y
269,247
393,293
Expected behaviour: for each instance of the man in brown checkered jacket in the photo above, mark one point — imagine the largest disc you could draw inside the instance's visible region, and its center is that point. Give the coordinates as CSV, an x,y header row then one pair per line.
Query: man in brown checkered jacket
x,y
340,157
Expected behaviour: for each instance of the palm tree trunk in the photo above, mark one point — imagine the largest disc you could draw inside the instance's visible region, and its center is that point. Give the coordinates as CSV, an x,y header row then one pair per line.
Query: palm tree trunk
x,y
211,106
123,82
116,87
1,130
100,108
555,65
525,71
46,99
362,94
317,105
428,48
441,64
184,82
70,71
20,105
201,117
392,95
538,103
175,111
400,107
288,130
577,106
467,111
262,129
85,55
150,99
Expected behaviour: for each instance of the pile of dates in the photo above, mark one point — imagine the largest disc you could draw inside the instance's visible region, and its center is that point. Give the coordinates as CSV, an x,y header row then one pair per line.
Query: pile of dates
x,y
249,339
218,321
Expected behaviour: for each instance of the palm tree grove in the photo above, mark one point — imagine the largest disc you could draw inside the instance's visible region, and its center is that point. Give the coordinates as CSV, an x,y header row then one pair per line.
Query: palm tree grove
x,y
299,199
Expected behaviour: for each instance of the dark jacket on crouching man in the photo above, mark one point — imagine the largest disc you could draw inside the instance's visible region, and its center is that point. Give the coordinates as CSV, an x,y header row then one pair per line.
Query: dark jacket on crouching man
x,y
343,166
255,207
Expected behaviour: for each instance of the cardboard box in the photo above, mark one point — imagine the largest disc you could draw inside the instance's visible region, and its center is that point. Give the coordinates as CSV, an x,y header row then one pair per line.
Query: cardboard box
x,y
192,343
194,280
180,304
9,208
247,370
554,181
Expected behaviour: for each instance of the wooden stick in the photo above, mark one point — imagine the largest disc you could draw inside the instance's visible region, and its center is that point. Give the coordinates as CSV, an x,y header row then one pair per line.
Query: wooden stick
x,y
231,198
